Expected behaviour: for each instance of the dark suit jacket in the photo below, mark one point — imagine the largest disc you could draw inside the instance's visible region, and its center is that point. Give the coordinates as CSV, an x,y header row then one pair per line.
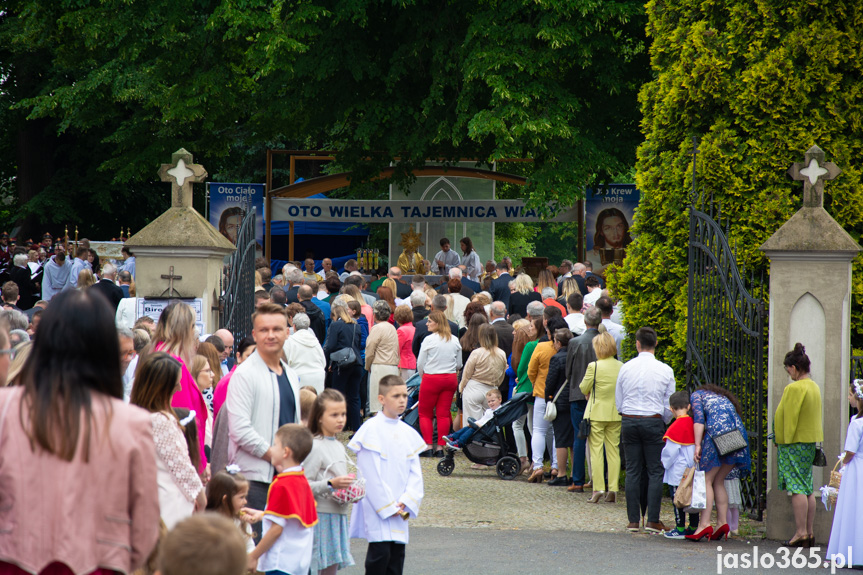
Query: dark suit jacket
x,y
110,290
579,354
465,291
21,277
403,291
471,284
420,313
500,289
292,294
422,331
505,335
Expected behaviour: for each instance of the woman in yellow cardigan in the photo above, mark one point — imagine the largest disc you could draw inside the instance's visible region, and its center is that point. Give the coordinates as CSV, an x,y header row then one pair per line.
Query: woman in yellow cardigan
x,y
599,382
797,425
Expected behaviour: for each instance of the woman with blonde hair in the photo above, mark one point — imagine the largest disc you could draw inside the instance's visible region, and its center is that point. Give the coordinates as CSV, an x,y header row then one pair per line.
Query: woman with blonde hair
x,y
85,279
599,384
391,285
546,280
482,372
175,335
438,362
568,286
523,295
343,333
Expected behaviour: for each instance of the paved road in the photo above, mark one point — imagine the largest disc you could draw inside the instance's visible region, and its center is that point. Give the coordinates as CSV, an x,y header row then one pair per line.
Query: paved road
x,y
453,551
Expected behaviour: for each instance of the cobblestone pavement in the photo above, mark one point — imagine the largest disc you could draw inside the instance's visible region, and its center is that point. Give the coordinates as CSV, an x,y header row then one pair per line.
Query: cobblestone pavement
x,y
479,499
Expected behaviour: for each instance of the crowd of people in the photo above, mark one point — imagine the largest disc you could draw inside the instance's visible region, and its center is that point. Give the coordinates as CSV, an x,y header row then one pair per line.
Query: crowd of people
x,y
248,430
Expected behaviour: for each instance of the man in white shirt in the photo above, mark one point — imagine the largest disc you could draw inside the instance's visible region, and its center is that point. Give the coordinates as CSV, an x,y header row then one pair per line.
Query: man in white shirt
x,y
644,385
616,330
574,318
594,292
326,266
446,259
350,266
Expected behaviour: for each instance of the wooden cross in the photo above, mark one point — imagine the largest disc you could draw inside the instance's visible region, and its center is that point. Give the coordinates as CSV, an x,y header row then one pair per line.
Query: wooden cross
x,y
170,277
813,171
182,172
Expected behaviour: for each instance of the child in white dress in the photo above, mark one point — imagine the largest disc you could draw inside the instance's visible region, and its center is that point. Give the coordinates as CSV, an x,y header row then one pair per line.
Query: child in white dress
x,y
846,536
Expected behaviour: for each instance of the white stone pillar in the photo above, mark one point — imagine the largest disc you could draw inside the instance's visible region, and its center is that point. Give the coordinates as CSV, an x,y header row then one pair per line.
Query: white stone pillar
x,y
810,302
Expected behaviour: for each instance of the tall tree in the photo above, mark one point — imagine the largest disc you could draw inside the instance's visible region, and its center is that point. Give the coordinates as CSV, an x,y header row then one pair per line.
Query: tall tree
x,y
759,82
380,82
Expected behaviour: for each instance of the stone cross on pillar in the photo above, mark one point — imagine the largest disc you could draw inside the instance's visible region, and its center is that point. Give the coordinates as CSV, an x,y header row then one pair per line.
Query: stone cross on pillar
x,y
813,171
182,172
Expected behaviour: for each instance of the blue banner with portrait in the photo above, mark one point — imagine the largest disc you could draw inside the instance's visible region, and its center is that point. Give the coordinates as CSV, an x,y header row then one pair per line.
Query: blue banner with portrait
x,y
228,206
608,214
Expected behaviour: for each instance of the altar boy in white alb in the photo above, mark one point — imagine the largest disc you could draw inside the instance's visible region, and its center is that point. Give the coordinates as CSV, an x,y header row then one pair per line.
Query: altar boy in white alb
x,y
388,458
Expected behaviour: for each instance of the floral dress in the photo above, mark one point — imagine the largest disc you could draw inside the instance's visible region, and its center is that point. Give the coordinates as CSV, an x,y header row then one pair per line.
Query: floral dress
x,y
718,416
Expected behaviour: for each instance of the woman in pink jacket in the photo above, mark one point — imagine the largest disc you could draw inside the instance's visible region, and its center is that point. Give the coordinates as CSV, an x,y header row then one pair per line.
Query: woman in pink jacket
x,y
77,465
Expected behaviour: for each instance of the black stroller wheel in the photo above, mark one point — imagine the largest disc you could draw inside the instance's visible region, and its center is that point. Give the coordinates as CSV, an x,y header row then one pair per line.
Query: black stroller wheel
x,y
507,468
445,467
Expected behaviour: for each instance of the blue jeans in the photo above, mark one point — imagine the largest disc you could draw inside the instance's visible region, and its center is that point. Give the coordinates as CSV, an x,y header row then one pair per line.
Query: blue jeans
x,y
462,436
576,414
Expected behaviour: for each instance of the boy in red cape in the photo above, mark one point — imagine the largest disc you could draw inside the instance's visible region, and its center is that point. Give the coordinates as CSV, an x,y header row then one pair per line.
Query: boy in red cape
x,y
677,455
286,546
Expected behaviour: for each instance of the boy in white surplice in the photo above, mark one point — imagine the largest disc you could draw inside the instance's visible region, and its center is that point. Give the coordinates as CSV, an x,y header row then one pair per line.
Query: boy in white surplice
x,y
388,458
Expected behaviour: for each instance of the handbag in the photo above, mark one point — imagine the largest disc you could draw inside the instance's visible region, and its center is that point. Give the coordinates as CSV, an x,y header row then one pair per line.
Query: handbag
x,y
345,356
683,494
729,442
820,459
584,426
550,407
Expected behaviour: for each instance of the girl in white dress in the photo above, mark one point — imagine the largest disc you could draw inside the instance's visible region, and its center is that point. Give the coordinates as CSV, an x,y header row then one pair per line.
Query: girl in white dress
x,y
181,490
846,536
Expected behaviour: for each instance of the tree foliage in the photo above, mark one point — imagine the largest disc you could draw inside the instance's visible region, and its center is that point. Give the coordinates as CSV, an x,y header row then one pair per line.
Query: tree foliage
x,y
759,82
397,82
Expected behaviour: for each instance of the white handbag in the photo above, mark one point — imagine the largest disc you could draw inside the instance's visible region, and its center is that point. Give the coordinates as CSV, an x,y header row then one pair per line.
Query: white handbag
x,y
550,407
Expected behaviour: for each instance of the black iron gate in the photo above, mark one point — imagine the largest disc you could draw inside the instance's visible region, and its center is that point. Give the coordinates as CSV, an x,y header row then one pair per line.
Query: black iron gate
x,y
725,337
238,283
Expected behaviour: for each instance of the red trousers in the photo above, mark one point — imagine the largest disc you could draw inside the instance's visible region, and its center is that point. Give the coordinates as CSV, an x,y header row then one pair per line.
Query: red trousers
x,y
436,393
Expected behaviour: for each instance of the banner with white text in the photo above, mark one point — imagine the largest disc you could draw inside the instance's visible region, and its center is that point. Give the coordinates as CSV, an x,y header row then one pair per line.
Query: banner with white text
x,y
388,211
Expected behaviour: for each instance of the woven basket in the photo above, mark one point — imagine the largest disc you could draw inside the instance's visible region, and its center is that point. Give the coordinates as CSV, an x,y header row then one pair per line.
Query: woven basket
x,y
835,476
835,482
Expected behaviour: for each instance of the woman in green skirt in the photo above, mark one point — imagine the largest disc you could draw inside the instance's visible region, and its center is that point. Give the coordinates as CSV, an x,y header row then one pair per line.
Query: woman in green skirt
x,y
797,426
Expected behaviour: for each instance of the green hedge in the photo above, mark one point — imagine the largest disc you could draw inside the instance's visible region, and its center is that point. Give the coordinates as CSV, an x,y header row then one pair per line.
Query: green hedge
x,y
758,83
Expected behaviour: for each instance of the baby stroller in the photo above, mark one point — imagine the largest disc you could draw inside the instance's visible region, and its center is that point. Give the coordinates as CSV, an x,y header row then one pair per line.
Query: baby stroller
x,y
411,414
488,445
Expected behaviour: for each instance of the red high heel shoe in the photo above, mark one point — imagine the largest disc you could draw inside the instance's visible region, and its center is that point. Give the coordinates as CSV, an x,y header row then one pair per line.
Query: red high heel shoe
x,y
720,531
699,535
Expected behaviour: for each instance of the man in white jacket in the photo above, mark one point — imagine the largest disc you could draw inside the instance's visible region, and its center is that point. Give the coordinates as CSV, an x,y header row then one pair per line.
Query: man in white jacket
x,y
263,395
